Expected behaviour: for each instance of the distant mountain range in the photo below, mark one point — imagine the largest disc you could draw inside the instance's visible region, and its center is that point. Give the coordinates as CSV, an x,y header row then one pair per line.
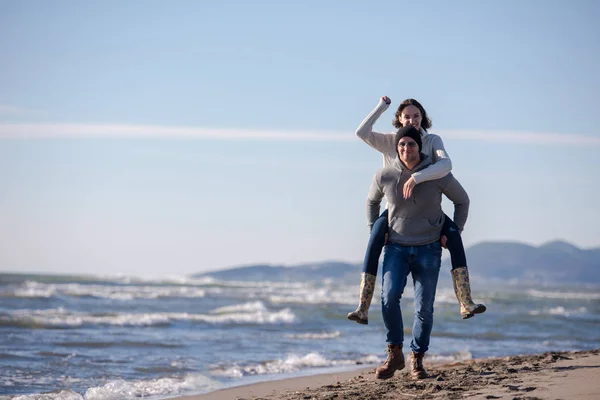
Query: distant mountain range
x,y
553,262
556,261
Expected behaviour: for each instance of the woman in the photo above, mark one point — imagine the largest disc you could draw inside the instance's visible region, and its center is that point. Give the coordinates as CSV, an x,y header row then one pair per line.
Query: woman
x,y
411,112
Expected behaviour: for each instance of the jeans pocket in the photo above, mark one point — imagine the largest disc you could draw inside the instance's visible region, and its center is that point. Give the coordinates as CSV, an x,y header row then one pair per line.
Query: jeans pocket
x,y
435,247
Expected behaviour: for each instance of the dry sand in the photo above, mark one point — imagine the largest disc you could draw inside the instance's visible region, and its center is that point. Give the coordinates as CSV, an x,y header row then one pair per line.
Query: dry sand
x,y
565,376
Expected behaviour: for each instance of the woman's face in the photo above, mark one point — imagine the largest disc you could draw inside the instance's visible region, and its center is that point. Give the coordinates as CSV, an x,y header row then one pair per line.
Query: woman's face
x,y
411,115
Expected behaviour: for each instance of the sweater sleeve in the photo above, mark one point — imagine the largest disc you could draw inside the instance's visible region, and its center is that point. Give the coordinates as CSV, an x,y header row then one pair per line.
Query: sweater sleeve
x,y
441,163
382,142
458,195
374,200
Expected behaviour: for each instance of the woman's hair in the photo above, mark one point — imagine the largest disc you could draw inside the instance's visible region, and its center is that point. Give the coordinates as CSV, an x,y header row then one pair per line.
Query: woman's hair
x,y
425,121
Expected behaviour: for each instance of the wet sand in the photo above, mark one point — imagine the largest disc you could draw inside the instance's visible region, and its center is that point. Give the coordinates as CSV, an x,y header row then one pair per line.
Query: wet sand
x,y
565,376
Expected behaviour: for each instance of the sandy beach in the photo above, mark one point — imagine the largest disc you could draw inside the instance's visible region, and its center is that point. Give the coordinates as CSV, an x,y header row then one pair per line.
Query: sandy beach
x,y
565,376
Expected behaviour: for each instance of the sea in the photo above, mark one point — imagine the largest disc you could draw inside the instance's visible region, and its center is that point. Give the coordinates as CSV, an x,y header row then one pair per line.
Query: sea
x,y
117,337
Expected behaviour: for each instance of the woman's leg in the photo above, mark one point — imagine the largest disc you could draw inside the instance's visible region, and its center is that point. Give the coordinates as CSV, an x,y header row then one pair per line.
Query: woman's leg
x,y
460,272
370,266
454,243
375,245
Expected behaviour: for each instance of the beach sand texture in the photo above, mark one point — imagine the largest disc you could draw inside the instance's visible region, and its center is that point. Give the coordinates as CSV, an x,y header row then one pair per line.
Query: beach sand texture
x,y
565,376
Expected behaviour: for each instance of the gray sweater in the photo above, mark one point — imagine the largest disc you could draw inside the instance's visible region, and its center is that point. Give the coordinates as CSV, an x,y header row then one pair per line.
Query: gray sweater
x,y
418,220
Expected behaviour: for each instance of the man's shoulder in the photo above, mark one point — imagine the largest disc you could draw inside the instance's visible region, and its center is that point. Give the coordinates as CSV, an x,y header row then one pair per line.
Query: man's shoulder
x,y
388,173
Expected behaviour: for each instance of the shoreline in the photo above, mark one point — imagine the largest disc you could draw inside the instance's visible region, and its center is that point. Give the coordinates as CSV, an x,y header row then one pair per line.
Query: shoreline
x,y
551,375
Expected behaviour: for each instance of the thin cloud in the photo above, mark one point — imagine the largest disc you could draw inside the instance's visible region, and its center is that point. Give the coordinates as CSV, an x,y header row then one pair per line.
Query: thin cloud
x,y
10,110
520,137
6,110
34,131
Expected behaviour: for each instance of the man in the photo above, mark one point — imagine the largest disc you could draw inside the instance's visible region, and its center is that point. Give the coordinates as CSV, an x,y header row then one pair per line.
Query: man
x,y
413,246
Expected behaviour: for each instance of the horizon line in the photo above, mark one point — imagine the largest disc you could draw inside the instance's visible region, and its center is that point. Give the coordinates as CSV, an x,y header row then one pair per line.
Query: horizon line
x,y
82,131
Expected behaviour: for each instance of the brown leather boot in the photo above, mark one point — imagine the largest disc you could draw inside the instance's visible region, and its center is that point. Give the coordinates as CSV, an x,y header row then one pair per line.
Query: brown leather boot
x,y
394,362
416,366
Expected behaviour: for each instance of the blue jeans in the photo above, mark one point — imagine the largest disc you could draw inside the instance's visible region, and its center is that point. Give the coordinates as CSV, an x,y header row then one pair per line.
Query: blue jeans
x,y
377,241
423,263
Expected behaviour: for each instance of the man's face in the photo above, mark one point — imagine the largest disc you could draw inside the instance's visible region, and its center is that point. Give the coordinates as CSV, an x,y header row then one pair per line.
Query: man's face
x,y
411,115
408,150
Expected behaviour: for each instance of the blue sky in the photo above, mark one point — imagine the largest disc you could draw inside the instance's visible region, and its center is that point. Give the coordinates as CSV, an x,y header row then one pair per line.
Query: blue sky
x,y
165,138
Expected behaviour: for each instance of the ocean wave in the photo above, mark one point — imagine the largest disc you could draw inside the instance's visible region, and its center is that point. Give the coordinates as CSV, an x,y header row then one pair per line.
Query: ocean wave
x,y
32,289
258,284
314,336
254,306
311,295
65,394
564,295
559,311
347,295
130,292
12,356
458,356
120,343
124,390
292,363
129,390
445,296
61,318
487,335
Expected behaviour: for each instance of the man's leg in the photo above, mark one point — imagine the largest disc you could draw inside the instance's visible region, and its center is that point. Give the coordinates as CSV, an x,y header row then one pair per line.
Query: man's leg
x,y
460,273
395,271
425,271
393,281
370,266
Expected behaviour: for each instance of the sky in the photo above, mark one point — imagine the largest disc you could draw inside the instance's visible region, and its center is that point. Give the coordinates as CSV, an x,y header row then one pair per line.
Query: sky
x,y
164,138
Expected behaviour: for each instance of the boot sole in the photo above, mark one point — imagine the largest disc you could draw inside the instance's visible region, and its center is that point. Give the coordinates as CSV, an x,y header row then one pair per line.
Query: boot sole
x,y
478,310
359,320
384,377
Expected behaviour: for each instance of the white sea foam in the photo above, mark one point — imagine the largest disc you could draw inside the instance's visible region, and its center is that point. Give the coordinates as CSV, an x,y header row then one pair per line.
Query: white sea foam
x,y
33,290
564,295
458,356
285,316
65,394
445,295
559,311
60,317
260,284
124,293
254,306
292,363
318,296
327,294
315,336
125,390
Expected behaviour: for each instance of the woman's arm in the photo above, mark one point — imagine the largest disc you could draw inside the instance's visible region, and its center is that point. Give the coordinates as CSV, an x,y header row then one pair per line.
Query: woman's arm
x,y
441,167
384,143
441,163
